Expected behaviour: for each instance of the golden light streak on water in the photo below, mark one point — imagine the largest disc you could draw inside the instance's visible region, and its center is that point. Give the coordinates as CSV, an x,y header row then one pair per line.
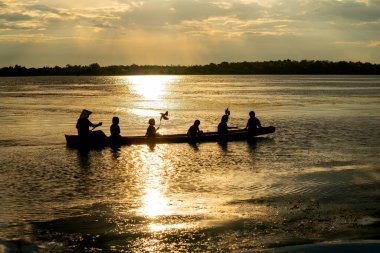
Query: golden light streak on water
x,y
155,205
154,202
143,112
150,87
162,227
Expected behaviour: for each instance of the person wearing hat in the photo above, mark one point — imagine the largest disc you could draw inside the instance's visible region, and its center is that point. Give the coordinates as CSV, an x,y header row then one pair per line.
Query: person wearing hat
x,y
84,124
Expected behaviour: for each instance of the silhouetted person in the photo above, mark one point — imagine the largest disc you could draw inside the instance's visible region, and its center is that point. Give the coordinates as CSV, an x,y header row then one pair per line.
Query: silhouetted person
x,y
194,131
84,124
115,129
115,137
87,137
253,123
151,131
223,127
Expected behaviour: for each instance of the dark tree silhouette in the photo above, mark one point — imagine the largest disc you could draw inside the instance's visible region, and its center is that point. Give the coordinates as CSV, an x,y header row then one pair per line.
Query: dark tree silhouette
x,y
280,67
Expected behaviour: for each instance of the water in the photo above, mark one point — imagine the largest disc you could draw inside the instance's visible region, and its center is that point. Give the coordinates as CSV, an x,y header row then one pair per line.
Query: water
x,y
316,179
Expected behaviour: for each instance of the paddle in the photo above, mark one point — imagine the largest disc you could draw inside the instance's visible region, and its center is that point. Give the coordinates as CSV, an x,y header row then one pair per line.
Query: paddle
x,y
228,113
95,126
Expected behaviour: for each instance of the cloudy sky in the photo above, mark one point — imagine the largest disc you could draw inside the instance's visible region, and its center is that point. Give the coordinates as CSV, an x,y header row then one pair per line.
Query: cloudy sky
x,y
36,33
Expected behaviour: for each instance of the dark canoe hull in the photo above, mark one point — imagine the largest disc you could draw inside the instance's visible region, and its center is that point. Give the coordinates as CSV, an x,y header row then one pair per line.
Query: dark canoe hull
x,y
237,135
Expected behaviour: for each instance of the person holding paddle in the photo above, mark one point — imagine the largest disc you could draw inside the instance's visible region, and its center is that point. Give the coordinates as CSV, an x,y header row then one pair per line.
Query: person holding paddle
x,y
223,127
84,124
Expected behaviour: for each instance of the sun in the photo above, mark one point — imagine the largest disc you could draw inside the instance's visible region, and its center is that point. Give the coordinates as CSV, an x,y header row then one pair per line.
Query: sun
x,y
149,87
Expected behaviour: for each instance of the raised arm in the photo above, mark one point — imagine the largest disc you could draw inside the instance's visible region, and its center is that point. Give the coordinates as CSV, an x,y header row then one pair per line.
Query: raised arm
x,y
95,125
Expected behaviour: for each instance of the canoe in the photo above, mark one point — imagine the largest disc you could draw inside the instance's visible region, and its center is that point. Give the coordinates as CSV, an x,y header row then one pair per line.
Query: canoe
x,y
234,135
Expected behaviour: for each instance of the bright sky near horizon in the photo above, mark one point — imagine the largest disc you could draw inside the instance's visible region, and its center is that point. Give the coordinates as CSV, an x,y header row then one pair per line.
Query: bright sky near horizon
x,y
36,33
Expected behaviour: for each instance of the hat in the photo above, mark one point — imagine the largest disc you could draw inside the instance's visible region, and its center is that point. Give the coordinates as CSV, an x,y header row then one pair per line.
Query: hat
x,y
85,113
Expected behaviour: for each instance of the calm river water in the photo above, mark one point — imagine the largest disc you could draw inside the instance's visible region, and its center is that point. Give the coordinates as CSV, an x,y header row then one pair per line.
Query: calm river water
x,y
316,179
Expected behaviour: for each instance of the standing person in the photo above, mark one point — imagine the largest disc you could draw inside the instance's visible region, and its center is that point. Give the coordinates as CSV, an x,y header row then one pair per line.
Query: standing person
x,y
194,131
151,131
115,129
84,124
253,123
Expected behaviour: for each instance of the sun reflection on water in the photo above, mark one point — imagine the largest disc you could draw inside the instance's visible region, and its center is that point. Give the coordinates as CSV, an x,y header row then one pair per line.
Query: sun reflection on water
x,y
162,227
157,208
154,203
145,112
150,87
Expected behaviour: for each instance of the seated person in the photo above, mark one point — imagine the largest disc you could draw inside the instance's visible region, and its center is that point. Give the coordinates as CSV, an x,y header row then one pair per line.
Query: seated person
x,y
222,127
115,129
151,131
194,131
253,123
84,124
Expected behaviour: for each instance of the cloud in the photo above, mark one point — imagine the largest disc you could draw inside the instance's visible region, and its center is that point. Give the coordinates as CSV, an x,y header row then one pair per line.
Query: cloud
x,y
374,43
25,38
192,31
350,10
15,17
360,43
232,27
41,8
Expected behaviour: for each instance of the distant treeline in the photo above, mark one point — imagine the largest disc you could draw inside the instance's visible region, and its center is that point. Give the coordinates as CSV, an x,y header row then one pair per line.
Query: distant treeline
x,y
225,68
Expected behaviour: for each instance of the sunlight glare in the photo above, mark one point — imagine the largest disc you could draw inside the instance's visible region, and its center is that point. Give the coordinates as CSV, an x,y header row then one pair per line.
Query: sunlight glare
x,y
154,203
162,227
150,87
143,112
